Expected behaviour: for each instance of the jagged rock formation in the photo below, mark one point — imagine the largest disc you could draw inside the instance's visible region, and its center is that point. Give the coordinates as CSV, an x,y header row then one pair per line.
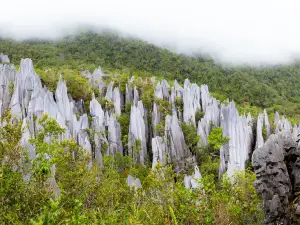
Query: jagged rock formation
x,y
277,168
174,139
193,180
30,98
191,101
159,151
275,159
4,58
24,94
238,128
137,136
7,77
133,183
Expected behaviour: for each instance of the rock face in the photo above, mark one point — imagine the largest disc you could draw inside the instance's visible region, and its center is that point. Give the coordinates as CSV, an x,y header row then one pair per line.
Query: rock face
x,y
27,85
176,149
238,129
277,168
276,158
159,151
114,137
193,180
133,183
191,101
4,58
7,78
137,136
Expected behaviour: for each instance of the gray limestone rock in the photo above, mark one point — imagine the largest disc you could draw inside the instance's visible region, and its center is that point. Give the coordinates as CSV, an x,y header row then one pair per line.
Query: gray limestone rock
x,y
238,129
276,165
63,103
158,151
109,92
137,136
259,131
165,89
129,91
114,137
193,180
27,85
4,58
135,96
133,183
7,77
205,97
174,138
117,101
191,101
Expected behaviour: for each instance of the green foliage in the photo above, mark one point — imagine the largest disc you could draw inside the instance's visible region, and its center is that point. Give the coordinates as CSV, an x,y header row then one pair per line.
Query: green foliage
x,y
179,104
264,87
127,108
164,106
10,136
190,136
160,128
78,86
264,132
234,200
100,195
216,139
11,88
198,115
124,120
209,162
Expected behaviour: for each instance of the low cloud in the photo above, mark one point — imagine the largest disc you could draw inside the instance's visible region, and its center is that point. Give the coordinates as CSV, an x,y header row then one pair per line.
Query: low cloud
x,y
231,31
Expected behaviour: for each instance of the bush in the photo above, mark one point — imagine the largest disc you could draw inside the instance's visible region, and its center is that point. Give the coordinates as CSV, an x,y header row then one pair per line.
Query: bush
x,y
94,194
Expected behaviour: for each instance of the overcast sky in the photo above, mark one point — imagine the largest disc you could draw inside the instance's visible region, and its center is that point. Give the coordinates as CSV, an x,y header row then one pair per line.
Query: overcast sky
x,y
234,31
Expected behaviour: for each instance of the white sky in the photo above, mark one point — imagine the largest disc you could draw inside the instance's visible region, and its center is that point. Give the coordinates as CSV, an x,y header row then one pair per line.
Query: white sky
x,y
234,31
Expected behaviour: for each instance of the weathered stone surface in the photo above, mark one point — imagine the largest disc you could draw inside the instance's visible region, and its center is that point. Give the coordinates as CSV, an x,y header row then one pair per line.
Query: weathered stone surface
x,y
133,183
63,103
135,96
129,91
114,137
109,92
137,136
117,101
191,101
205,97
296,132
158,151
165,89
96,76
283,125
176,148
193,180
176,93
7,78
237,128
276,165
26,85
211,117
267,124
259,131
156,114
4,58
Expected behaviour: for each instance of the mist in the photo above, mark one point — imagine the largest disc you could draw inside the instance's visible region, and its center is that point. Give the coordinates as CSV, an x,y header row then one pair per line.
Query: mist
x,y
232,31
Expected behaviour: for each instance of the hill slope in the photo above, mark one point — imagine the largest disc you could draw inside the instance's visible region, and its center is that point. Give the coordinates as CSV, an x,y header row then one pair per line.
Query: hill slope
x,y
276,88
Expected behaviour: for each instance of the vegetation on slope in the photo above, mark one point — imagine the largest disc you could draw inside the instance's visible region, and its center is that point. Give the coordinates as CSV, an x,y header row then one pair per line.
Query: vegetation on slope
x,y
100,195
276,88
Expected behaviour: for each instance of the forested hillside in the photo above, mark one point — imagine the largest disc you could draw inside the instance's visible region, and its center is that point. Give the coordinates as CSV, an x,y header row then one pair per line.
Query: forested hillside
x,y
143,139
275,88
